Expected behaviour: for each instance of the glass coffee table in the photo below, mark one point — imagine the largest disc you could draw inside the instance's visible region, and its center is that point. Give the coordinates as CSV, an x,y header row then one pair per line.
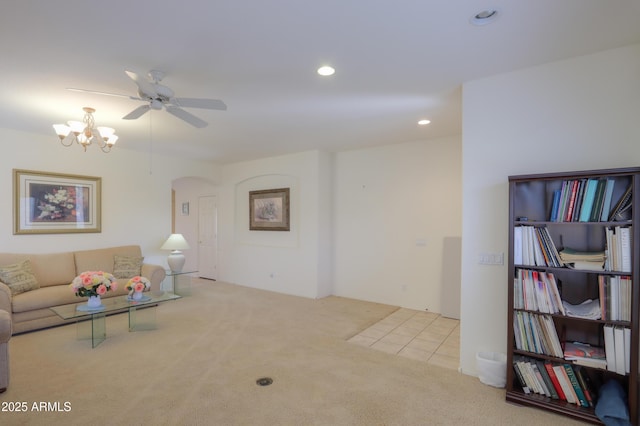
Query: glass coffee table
x,y
138,319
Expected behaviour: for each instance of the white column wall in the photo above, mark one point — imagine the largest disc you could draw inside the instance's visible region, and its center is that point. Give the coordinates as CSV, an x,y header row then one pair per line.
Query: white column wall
x,y
577,114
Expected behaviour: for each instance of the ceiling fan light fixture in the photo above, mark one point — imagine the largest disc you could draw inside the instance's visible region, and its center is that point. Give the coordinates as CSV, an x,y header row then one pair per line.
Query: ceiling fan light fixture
x,y
156,104
484,17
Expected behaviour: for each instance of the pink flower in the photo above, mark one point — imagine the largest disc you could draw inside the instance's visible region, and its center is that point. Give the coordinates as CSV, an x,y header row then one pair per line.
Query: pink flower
x,y
102,289
114,286
138,286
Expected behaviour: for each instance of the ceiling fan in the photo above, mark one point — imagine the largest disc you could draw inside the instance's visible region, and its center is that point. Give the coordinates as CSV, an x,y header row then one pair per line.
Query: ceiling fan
x,y
158,96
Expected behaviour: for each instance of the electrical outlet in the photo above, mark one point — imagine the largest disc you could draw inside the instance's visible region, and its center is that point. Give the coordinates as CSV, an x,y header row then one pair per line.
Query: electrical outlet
x,y
491,258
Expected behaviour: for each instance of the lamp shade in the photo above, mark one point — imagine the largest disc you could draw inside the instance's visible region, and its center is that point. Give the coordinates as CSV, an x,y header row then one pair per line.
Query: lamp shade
x,y
175,242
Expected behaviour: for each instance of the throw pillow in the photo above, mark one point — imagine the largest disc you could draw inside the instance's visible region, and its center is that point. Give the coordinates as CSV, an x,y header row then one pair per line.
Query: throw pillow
x,y
19,277
126,266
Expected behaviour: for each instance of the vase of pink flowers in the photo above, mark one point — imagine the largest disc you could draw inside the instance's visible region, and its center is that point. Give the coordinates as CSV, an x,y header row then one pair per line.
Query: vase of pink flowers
x,y
136,286
93,284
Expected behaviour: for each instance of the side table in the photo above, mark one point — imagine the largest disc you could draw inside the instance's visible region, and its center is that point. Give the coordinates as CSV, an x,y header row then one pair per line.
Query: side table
x,y
180,282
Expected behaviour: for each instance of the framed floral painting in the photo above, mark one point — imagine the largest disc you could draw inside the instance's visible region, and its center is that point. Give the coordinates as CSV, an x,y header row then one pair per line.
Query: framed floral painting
x,y
55,203
269,210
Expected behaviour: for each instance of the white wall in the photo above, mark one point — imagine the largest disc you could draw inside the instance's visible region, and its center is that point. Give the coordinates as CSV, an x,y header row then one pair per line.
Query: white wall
x,y
394,207
136,193
578,114
283,261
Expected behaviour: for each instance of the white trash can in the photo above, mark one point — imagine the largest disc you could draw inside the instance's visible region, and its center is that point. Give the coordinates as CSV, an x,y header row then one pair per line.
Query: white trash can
x,y
492,368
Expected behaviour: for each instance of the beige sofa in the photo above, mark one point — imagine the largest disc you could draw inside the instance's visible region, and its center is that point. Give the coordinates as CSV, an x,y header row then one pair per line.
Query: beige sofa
x,y
55,271
5,335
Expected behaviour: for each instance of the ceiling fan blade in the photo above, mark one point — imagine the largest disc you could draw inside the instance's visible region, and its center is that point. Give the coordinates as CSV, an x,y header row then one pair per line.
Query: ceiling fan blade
x,y
73,89
186,116
200,103
145,87
137,113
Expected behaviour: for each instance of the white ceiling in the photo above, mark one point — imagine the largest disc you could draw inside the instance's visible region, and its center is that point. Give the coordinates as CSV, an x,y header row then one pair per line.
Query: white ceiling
x,y
397,61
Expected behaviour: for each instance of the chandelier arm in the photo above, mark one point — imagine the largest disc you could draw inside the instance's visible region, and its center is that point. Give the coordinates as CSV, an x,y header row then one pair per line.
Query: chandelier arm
x,y
106,148
69,139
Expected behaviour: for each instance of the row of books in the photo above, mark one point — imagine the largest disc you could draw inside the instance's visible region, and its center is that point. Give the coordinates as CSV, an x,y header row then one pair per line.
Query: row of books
x,y
617,348
615,297
583,200
537,291
564,382
618,248
536,333
533,246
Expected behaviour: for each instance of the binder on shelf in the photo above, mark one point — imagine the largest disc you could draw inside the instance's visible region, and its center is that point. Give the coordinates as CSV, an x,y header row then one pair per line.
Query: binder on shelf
x,y
609,347
627,350
618,337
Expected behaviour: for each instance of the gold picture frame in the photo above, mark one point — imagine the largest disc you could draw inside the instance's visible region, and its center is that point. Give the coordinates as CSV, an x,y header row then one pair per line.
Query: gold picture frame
x,y
269,210
55,203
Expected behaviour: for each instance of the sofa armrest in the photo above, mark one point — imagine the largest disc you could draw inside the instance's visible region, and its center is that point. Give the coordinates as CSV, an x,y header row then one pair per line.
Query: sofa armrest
x,y
155,273
5,297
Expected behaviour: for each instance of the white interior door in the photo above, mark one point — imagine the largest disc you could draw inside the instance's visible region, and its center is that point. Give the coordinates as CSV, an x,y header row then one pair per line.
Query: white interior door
x,y
207,237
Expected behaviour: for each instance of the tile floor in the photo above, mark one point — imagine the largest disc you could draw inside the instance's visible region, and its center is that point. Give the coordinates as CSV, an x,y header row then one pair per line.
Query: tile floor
x,y
419,335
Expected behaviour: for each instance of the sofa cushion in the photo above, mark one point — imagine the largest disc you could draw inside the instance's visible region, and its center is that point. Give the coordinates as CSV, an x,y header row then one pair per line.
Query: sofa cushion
x,y
127,266
19,277
48,268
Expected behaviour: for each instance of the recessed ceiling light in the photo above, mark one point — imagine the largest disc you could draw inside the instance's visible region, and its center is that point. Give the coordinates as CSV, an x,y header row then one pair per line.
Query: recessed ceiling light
x,y
484,17
326,70
424,122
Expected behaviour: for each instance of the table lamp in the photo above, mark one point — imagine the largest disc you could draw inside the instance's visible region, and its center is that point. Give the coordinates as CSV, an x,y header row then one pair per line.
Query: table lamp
x,y
175,242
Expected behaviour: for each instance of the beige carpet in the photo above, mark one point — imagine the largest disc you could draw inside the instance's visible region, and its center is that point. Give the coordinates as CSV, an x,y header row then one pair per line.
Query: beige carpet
x,y
200,366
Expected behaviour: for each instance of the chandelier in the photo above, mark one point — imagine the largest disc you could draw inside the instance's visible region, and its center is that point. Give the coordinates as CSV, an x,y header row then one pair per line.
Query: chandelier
x,y
85,132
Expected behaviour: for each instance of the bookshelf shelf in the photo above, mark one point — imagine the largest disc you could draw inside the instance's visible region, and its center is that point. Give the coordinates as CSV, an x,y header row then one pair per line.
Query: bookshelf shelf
x,y
552,216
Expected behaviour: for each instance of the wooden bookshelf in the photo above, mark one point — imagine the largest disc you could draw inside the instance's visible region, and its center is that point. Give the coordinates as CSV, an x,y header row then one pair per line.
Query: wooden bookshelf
x,y
531,201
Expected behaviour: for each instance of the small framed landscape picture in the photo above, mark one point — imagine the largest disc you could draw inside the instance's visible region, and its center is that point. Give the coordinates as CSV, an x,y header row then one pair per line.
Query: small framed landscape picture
x,y
269,210
185,209
55,203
